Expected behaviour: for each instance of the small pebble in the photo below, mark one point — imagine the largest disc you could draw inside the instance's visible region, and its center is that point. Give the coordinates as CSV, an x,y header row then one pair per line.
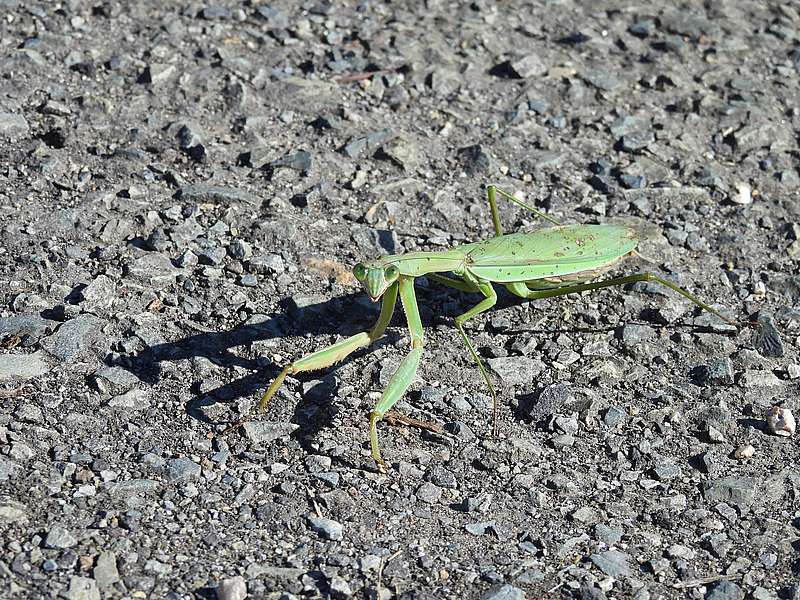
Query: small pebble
x,y
724,590
780,421
743,195
429,493
715,435
182,469
233,588
744,451
60,538
503,592
327,528
248,280
49,565
339,588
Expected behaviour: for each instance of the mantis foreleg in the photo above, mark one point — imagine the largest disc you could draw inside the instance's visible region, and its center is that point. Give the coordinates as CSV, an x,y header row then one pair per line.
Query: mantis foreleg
x,y
327,356
405,373
522,290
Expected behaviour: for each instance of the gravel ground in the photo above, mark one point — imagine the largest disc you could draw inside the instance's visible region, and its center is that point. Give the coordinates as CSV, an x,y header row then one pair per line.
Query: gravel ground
x,y
183,190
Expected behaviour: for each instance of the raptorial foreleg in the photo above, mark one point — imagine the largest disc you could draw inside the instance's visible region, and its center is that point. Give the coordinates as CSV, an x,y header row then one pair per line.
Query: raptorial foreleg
x,y
404,375
327,356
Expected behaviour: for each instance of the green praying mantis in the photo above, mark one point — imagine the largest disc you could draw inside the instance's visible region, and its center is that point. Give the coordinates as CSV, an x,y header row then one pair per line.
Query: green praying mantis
x,y
552,261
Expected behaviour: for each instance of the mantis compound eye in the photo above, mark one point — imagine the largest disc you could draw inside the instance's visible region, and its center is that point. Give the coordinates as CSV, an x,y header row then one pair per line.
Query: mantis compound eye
x,y
391,272
360,272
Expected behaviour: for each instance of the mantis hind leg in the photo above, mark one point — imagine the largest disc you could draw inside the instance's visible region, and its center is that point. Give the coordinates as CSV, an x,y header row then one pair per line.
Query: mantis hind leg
x,y
490,299
521,289
491,196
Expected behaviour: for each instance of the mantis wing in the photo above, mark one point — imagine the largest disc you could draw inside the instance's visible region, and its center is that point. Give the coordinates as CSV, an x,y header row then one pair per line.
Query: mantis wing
x,y
550,253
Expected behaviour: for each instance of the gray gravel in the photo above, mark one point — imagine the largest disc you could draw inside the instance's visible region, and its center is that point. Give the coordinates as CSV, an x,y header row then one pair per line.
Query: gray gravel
x,y
183,190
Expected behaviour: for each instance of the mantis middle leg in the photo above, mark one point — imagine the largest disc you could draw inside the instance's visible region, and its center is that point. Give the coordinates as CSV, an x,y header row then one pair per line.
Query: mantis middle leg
x,y
327,356
488,302
472,284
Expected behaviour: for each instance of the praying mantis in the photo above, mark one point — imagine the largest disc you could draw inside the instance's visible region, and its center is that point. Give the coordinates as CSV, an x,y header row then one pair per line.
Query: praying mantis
x,y
552,261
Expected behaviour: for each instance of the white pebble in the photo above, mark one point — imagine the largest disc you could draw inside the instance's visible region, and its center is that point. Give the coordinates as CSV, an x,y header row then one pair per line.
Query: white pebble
x,y
780,421
744,451
743,195
233,588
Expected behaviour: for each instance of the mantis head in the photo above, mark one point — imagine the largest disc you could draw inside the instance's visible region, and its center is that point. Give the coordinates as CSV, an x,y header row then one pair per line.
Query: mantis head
x,y
375,277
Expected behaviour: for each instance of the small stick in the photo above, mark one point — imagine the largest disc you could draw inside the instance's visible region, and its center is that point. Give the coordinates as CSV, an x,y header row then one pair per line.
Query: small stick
x,y
359,76
690,583
382,564
314,503
395,418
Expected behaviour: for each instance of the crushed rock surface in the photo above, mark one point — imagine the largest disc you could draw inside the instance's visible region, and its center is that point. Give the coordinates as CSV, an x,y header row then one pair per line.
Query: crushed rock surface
x,y
184,188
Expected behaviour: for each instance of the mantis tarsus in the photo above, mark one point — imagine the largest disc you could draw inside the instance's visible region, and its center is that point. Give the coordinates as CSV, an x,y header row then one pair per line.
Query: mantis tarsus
x,y
552,261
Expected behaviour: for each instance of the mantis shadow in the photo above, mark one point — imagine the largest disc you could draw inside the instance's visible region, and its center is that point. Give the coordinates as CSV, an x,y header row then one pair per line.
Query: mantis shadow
x,y
323,318
342,315
757,424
